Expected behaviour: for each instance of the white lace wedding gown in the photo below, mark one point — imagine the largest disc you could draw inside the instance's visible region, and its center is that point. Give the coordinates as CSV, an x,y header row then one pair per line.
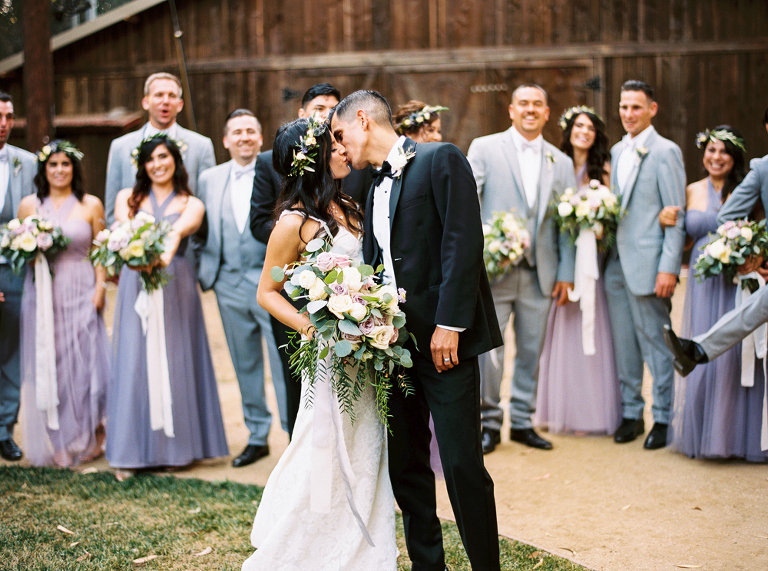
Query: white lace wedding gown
x,y
287,534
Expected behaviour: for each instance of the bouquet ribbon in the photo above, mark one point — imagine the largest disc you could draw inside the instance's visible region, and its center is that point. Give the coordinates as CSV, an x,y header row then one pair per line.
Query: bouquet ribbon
x,y
584,287
754,345
327,420
149,307
46,385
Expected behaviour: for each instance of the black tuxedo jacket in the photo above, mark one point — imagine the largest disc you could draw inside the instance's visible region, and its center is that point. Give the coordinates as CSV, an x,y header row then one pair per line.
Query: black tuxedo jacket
x,y
437,248
267,185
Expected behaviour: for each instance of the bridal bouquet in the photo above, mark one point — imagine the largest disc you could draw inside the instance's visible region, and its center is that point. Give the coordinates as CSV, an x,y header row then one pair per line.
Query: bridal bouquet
x,y
358,322
22,240
733,244
594,208
505,239
136,243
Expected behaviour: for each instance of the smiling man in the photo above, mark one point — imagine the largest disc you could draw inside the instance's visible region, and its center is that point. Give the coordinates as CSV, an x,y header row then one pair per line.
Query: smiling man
x,y
517,170
641,271
162,101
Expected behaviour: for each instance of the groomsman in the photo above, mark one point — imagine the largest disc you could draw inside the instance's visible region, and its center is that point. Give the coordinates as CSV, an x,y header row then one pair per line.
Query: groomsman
x,y
318,99
518,170
162,101
430,194
641,271
231,263
17,172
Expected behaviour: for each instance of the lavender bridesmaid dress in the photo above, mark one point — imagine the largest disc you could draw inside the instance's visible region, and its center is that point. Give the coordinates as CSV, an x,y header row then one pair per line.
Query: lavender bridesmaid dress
x,y
714,417
198,426
82,351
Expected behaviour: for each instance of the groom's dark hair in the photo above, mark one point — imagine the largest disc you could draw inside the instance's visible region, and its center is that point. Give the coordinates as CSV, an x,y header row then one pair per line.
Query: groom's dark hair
x,y
372,102
637,85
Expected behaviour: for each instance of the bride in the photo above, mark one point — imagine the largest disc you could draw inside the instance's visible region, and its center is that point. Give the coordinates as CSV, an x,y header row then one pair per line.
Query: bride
x,y
328,504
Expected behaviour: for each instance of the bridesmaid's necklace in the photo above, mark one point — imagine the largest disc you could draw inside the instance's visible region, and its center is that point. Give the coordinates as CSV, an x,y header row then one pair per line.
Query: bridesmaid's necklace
x,y
717,185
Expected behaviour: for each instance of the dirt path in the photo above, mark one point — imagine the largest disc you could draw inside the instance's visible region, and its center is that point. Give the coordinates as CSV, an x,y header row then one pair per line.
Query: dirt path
x,y
606,506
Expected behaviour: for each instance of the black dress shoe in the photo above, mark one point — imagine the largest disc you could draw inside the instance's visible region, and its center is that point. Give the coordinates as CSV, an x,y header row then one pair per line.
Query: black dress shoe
x,y
9,450
529,437
687,353
251,453
657,437
490,439
628,430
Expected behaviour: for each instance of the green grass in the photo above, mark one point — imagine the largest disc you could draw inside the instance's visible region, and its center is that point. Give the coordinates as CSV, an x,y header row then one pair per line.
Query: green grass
x,y
115,523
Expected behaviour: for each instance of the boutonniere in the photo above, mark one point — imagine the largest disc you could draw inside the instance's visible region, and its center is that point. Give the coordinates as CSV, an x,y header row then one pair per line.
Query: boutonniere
x,y
550,160
16,166
398,163
641,152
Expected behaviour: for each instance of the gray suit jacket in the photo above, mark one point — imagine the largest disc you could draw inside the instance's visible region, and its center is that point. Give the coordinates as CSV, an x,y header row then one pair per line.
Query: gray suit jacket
x,y
742,200
22,167
211,186
656,180
122,174
500,186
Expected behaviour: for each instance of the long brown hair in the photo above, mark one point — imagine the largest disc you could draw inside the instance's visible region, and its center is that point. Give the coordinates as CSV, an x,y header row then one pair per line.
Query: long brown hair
x,y
144,183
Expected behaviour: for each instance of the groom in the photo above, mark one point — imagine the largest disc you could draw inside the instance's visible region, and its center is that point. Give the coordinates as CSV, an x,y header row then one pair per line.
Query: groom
x,y
423,222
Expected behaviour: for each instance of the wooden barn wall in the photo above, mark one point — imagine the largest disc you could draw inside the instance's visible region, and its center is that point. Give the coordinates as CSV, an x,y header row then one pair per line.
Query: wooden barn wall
x,y
707,60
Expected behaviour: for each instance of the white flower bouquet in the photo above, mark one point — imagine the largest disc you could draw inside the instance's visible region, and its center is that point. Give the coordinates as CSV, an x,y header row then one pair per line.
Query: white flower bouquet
x,y
137,243
594,208
22,240
733,244
358,322
505,239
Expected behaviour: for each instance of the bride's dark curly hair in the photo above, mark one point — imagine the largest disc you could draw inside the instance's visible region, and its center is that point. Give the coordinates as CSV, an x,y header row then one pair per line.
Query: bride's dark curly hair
x,y
144,183
599,153
312,192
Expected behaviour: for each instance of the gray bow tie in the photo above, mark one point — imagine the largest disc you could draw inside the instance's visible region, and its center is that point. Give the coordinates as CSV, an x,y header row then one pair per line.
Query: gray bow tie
x,y
241,172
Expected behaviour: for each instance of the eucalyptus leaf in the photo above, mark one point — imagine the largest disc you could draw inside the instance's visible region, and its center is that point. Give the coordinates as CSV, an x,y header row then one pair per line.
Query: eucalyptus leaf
x,y
317,243
398,320
277,274
346,326
342,348
315,306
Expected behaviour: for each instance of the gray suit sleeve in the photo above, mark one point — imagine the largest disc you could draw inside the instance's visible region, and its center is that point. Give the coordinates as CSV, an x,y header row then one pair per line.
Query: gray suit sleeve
x,y
743,198
475,158
207,157
112,185
671,181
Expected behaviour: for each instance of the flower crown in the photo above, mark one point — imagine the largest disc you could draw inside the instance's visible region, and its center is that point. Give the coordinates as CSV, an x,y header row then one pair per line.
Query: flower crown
x,y
421,117
573,112
181,145
306,149
59,147
719,135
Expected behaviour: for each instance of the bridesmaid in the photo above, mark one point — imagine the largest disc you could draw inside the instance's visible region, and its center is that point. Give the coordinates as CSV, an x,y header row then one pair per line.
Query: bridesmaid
x,y
579,393
419,121
81,343
715,417
197,429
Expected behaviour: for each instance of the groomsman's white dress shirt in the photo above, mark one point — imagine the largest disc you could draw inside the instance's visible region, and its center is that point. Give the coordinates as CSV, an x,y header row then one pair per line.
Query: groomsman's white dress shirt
x,y
628,156
529,159
5,182
242,188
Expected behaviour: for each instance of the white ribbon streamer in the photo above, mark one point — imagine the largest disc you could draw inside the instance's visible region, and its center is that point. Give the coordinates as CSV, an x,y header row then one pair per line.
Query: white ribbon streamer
x,y
149,307
326,418
754,344
584,287
764,429
46,385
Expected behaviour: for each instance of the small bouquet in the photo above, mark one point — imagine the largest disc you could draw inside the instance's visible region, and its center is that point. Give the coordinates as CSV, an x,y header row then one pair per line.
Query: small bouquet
x,y
22,240
504,241
136,243
733,244
358,322
593,208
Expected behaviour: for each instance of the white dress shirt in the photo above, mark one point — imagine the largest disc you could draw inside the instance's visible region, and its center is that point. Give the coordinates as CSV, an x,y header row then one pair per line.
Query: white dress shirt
x,y
381,228
629,157
171,131
241,188
5,175
529,160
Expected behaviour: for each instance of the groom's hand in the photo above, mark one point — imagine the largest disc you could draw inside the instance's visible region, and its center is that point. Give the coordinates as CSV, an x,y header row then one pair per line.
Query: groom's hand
x,y
445,347
560,292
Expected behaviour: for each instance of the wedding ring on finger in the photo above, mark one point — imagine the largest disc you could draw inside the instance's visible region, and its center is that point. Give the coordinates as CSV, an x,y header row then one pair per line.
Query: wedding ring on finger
x,y
446,360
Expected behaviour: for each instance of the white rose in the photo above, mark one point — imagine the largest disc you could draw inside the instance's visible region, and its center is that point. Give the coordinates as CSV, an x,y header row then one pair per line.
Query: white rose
x,y
716,249
13,224
358,311
339,304
307,279
388,289
27,242
564,209
746,233
726,255
381,335
353,279
494,246
608,198
509,224
6,241
583,209
317,291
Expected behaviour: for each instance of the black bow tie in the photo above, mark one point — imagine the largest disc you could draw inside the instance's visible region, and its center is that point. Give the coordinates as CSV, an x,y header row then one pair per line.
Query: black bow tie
x,y
378,175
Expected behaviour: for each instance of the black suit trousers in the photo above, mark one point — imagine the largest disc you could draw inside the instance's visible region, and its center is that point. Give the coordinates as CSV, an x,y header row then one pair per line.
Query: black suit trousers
x,y
453,398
